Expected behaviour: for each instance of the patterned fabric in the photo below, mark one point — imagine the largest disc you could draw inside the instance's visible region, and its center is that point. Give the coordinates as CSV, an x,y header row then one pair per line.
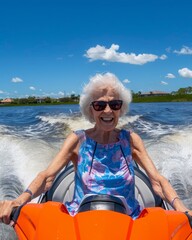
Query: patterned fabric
x,y
105,169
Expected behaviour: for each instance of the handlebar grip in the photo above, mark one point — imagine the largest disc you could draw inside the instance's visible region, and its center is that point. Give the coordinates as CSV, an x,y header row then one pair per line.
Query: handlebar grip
x,y
15,213
189,218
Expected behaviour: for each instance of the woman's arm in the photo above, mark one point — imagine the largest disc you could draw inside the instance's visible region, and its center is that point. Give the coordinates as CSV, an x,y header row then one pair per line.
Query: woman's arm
x,y
160,184
44,179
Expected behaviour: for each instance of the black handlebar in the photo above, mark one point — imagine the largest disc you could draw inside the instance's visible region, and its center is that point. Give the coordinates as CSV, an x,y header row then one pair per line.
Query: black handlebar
x,y
189,218
15,213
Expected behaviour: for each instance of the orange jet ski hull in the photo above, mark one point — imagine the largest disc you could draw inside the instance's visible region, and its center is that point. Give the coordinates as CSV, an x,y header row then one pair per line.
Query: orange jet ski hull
x,y
50,220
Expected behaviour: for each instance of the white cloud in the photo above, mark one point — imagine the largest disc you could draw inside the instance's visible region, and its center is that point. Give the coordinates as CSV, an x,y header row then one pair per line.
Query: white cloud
x,y
16,80
164,83
185,72
126,81
112,55
170,75
4,93
32,88
184,51
61,93
163,57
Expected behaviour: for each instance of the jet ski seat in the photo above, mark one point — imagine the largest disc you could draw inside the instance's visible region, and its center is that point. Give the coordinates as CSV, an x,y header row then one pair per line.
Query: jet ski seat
x,y
63,188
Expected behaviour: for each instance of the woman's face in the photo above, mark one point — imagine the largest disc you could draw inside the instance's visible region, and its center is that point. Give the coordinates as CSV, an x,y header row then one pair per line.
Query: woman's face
x,y
106,119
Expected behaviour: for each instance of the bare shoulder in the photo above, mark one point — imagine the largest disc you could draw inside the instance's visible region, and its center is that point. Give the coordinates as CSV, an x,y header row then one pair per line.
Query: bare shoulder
x,y
134,135
136,140
72,137
67,153
139,152
141,155
71,141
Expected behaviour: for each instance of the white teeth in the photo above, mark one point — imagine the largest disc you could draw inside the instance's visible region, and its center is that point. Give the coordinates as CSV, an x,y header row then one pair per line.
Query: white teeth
x,y
107,119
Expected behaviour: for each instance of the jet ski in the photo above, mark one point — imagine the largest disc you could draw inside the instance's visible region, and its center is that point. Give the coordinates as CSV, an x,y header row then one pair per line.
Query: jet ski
x,y
100,217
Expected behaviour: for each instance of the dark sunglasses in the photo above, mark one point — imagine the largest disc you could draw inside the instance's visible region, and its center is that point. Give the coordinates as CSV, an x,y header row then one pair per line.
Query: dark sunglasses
x,y
101,105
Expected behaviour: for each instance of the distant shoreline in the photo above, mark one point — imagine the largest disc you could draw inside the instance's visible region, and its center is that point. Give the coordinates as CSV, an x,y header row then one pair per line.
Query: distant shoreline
x,y
35,104
147,99
167,98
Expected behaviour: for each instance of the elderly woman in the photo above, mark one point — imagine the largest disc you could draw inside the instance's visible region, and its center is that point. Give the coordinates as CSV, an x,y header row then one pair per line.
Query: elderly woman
x,y
102,155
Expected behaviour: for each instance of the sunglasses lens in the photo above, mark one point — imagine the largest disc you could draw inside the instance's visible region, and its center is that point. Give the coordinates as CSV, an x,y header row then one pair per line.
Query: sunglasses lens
x,y
101,105
115,104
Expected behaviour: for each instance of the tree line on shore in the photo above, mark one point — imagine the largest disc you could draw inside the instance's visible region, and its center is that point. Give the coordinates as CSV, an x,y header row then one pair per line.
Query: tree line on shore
x,y
183,94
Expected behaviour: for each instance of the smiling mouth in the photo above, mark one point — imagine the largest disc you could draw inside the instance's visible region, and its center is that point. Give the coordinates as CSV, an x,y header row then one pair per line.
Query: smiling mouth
x,y
107,119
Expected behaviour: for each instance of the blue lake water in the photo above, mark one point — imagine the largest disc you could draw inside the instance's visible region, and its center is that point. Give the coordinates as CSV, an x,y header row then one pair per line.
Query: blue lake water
x,y
31,136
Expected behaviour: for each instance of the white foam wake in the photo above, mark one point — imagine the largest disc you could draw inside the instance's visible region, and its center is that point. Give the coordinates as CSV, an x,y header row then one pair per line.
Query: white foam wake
x,y
172,155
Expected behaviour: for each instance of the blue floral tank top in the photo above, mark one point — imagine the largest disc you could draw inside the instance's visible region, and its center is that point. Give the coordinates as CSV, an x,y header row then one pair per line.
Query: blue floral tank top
x,y
105,169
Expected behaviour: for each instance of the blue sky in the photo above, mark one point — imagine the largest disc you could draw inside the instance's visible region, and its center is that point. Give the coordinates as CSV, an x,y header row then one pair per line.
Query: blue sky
x,y
52,47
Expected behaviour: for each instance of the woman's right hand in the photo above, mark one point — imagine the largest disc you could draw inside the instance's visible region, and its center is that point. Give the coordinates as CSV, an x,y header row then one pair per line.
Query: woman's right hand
x,y
6,208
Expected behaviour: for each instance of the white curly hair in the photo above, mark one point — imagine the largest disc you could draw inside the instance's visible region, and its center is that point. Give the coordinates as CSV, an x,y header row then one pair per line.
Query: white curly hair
x,y
100,81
